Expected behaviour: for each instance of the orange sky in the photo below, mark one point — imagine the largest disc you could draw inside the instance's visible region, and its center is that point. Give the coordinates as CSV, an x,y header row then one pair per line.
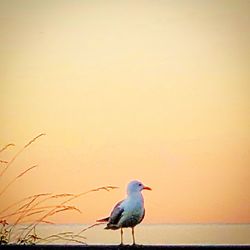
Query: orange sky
x,y
151,90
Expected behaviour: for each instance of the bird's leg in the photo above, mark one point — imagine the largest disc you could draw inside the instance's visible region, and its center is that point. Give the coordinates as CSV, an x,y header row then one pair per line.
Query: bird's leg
x,y
133,234
121,236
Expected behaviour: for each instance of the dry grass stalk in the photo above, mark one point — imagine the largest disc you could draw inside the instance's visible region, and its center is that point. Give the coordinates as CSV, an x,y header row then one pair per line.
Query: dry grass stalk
x,y
17,177
33,140
61,195
31,206
33,199
21,201
31,211
36,205
7,146
93,225
2,161
24,172
47,222
65,236
53,211
18,153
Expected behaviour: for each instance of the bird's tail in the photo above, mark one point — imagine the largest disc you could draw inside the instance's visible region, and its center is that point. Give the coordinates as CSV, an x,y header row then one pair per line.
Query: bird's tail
x,y
112,226
103,220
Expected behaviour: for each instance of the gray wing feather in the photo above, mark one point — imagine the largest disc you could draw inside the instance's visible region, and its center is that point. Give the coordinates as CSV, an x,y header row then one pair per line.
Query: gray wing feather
x,y
115,215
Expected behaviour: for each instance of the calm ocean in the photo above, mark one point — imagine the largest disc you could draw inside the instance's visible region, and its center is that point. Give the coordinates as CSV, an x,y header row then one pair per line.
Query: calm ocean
x,y
157,234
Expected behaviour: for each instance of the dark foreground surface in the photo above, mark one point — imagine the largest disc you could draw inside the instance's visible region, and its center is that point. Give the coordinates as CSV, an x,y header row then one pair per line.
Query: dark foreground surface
x,y
125,247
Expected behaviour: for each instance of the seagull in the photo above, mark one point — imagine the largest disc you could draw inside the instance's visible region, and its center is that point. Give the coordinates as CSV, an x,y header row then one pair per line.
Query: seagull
x,y
128,212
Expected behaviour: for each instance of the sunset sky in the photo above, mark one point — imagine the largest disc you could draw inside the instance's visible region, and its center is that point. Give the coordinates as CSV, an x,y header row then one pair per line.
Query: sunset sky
x,y
152,90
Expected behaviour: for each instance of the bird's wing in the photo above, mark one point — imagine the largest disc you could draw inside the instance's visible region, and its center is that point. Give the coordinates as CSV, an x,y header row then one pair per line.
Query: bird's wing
x,y
116,213
143,215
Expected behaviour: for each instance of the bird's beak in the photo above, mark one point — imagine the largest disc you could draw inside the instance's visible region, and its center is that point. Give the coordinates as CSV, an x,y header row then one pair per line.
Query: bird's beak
x,y
147,188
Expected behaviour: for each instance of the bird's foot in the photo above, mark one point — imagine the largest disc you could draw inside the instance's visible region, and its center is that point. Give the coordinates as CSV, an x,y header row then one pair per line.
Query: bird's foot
x,y
123,246
136,245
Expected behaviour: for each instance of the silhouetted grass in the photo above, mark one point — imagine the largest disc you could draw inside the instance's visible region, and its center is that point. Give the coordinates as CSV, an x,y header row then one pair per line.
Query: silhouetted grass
x,y
35,209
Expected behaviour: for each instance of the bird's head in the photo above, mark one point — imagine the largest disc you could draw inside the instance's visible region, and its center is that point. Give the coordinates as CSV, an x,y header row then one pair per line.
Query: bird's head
x,y
136,186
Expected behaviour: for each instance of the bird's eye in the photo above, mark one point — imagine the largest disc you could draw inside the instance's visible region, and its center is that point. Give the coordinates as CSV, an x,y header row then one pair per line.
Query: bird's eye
x,y
140,184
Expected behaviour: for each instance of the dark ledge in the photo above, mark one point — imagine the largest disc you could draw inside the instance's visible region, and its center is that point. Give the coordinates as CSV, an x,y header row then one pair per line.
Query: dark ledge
x,y
125,247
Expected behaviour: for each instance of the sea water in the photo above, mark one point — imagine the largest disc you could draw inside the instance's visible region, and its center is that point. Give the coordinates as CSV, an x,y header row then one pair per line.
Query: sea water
x,y
155,234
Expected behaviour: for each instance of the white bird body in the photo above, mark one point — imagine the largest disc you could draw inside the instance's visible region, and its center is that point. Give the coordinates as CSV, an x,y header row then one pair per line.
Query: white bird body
x,y
133,210
129,212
